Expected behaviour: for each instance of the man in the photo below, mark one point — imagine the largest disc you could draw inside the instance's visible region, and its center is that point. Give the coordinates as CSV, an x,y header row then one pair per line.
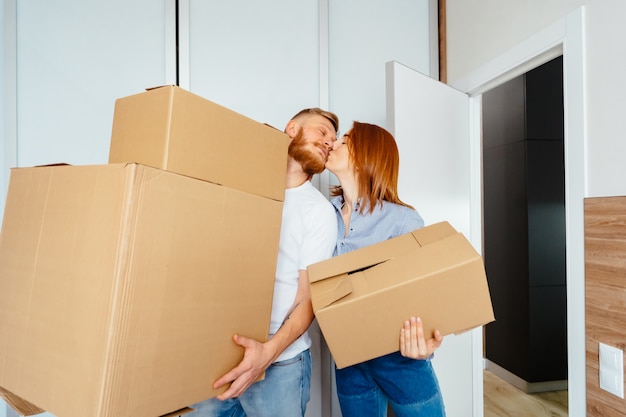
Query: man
x,y
308,235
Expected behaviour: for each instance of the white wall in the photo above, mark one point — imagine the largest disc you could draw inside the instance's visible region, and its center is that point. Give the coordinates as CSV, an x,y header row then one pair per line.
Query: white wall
x,y
260,61
606,84
268,63
71,66
7,88
481,30
363,37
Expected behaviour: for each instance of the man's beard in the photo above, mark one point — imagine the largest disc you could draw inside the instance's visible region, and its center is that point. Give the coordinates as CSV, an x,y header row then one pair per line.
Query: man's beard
x,y
310,161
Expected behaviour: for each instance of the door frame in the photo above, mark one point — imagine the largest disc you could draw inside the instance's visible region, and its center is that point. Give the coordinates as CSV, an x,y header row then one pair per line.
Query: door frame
x,y
563,37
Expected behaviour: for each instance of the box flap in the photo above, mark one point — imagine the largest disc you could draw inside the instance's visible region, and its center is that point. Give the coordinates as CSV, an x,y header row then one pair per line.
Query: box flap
x,y
433,233
327,291
448,253
361,258
23,407
381,252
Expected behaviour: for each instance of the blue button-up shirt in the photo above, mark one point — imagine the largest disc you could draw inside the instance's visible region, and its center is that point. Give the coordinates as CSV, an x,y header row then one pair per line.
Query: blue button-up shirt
x,y
366,229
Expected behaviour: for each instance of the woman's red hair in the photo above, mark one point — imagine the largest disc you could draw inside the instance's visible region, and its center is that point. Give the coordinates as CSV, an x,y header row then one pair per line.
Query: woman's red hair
x,y
375,158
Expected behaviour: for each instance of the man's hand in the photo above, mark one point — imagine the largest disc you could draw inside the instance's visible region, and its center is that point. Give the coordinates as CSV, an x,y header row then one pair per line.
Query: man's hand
x,y
412,342
256,359
259,356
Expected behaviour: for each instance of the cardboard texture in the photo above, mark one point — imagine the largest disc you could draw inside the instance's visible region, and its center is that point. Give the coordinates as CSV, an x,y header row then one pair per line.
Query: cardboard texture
x,y
361,298
175,130
121,286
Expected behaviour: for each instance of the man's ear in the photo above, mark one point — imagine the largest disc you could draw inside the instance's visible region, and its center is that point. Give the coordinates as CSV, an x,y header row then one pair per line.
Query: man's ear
x,y
292,128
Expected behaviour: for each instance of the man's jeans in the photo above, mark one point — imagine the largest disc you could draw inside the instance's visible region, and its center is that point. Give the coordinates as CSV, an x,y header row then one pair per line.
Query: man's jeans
x,y
410,386
284,392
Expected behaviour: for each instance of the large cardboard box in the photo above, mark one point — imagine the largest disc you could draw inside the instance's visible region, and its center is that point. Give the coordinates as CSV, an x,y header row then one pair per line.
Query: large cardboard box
x,y
173,129
121,286
361,298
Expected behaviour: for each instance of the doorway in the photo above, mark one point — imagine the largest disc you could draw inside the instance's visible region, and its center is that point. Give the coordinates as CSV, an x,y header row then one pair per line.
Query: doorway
x,y
524,229
564,37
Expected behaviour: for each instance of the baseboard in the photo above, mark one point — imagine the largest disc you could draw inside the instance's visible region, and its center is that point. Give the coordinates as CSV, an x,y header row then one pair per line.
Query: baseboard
x,y
527,387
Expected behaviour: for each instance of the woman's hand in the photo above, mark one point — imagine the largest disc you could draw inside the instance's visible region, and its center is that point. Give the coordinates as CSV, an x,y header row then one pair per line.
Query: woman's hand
x,y
412,342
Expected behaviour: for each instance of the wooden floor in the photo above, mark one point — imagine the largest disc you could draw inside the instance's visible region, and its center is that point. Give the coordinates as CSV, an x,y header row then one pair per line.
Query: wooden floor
x,y
504,400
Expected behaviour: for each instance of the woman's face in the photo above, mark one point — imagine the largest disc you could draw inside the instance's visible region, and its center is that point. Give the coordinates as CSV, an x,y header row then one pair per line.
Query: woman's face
x,y
338,161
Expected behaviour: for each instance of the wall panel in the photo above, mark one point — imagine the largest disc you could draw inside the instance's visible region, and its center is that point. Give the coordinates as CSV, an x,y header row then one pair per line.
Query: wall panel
x,y
605,289
260,61
72,65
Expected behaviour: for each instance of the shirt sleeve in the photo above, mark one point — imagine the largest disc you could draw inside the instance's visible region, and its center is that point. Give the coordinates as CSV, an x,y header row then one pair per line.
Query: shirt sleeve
x,y
411,221
321,237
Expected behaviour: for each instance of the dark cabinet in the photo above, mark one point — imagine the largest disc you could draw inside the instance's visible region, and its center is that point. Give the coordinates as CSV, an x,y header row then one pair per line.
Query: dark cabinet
x,y
524,227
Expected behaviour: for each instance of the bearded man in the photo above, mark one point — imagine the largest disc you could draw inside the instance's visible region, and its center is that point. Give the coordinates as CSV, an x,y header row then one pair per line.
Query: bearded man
x,y
308,235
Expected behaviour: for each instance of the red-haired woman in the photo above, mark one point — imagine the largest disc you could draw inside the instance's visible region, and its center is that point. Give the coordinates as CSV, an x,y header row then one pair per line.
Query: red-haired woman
x,y
366,162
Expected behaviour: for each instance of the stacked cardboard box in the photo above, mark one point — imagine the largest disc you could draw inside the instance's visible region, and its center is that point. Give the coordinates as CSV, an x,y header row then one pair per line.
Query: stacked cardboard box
x,y
173,129
122,284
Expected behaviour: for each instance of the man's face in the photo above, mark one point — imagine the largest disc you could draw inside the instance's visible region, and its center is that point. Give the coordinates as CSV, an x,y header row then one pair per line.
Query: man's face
x,y
312,143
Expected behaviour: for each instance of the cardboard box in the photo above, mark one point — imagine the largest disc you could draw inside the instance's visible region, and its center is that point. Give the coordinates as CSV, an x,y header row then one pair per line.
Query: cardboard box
x,y
121,286
175,130
361,298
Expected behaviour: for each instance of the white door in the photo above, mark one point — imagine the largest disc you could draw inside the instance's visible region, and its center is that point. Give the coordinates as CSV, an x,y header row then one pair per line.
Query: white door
x,y
431,123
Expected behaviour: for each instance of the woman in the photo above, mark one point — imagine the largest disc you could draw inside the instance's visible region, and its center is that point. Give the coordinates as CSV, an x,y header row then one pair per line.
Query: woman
x,y
365,161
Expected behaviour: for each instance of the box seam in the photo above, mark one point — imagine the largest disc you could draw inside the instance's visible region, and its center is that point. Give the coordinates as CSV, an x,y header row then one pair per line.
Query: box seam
x,y
168,128
122,262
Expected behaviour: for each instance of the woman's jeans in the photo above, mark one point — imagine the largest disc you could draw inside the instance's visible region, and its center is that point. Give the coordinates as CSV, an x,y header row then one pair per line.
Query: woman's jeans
x,y
410,386
284,392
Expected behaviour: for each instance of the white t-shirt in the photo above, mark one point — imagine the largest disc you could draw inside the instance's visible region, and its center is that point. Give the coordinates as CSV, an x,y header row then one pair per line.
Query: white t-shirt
x,y
308,235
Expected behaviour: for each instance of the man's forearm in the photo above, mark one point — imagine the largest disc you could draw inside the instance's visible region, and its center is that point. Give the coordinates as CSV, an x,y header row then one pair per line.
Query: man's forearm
x,y
296,322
